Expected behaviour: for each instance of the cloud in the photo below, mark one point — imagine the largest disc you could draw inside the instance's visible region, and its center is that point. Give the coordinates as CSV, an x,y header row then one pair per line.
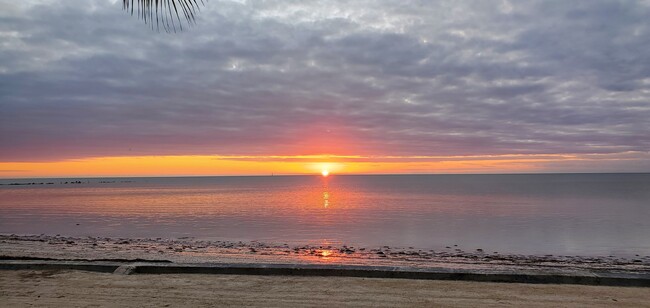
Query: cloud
x,y
82,78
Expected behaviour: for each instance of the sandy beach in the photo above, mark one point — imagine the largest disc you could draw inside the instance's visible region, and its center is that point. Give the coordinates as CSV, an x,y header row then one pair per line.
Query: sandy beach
x,y
83,289
71,288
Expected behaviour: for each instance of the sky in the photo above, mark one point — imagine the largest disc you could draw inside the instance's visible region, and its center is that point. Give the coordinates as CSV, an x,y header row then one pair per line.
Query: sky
x,y
293,87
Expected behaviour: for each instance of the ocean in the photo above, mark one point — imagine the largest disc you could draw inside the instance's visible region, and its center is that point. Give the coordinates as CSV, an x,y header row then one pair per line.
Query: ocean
x,y
532,214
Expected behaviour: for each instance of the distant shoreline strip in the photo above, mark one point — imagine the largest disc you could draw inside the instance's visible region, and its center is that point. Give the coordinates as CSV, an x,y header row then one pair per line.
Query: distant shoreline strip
x,y
634,279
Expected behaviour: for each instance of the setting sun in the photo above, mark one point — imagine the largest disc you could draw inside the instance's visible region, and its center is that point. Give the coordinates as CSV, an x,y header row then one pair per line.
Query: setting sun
x,y
325,172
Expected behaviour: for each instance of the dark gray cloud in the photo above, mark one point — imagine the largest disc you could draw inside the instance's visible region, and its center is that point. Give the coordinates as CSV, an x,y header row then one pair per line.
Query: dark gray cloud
x,y
81,78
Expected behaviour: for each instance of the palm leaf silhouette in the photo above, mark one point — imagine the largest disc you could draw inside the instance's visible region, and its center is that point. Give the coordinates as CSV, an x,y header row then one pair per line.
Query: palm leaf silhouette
x,y
167,14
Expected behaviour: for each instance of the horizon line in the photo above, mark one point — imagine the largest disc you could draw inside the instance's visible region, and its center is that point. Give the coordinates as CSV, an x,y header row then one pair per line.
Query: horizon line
x,y
316,174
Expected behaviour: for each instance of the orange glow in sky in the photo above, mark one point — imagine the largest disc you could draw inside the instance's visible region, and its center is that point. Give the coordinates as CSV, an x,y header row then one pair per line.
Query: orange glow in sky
x,y
336,90
279,165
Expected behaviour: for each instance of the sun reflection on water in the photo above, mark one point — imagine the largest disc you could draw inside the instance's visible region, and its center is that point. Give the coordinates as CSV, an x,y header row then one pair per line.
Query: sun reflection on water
x,y
326,194
326,201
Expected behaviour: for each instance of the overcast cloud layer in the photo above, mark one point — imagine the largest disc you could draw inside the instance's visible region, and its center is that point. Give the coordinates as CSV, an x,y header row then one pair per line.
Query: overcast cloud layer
x,y
82,78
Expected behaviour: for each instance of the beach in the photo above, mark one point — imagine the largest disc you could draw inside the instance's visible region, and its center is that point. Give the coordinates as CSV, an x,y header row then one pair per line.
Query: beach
x,y
308,241
82,289
193,251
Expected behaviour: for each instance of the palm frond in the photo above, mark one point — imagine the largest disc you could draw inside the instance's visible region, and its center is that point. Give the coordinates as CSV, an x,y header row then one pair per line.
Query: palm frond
x,y
166,14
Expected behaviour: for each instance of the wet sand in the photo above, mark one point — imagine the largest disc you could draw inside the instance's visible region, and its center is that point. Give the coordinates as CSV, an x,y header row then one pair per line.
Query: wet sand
x,y
83,289
189,250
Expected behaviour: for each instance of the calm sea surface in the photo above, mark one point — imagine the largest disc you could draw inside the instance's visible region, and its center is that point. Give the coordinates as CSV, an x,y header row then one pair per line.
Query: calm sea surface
x,y
561,214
